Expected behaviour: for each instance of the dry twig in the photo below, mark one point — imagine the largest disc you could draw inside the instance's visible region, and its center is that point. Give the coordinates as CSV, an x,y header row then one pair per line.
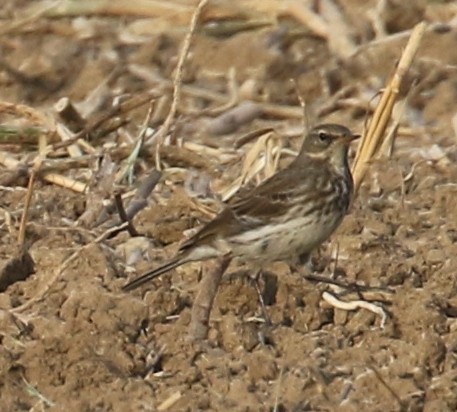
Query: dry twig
x,y
123,215
178,81
169,402
373,137
28,200
60,180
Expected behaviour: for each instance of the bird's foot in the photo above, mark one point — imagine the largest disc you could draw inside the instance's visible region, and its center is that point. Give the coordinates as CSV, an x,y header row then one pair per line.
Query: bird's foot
x,y
256,284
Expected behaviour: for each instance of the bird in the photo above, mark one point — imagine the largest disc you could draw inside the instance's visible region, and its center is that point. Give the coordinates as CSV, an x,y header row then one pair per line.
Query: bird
x,y
285,217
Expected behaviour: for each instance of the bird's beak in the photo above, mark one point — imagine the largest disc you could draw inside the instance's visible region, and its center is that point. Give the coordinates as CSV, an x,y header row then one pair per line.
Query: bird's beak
x,y
350,138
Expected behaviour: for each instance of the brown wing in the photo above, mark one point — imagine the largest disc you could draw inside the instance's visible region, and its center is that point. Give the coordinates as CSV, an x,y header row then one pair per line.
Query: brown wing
x,y
271,198
255,207
264,201
223,225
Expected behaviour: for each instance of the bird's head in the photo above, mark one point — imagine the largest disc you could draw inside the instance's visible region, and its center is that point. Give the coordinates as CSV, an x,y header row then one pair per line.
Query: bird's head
x,y
328,142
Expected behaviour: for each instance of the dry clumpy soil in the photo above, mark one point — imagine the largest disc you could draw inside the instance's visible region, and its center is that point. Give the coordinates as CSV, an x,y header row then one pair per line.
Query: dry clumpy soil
x,y
84,345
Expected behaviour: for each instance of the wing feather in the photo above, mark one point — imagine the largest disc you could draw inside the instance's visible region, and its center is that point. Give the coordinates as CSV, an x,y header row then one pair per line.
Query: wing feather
x,y
257,206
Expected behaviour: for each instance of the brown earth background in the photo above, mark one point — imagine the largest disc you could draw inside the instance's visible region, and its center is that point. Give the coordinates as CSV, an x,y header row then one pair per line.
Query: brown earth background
x,y
71,340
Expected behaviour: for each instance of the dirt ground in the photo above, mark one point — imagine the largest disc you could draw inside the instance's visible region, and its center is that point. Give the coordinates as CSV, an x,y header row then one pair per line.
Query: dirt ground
x,y
71,340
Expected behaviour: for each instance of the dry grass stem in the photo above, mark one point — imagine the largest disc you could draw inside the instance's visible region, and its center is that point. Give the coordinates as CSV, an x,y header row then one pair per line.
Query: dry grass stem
x,y
127,170
101,123
27,112
431,28
263,156
372,139
28,201
177,81
278,391
339,37
169,402
351,287
66,135
231,27
249,137
11,163
34,392
152,8
282,111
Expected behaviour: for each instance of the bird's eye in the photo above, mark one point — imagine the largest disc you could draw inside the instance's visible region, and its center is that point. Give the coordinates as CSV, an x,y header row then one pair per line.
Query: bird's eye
x,y
323,137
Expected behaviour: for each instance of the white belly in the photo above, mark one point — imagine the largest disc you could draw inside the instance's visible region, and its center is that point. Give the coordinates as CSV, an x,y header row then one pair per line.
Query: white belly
x,y
284,241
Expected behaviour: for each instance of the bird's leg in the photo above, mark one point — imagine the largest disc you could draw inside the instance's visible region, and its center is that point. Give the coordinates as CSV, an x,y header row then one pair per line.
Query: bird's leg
x,y
303,265
201,309
255,281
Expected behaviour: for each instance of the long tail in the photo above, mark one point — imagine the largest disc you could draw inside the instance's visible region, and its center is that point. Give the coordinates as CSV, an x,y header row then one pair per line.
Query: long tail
x,y
146,277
